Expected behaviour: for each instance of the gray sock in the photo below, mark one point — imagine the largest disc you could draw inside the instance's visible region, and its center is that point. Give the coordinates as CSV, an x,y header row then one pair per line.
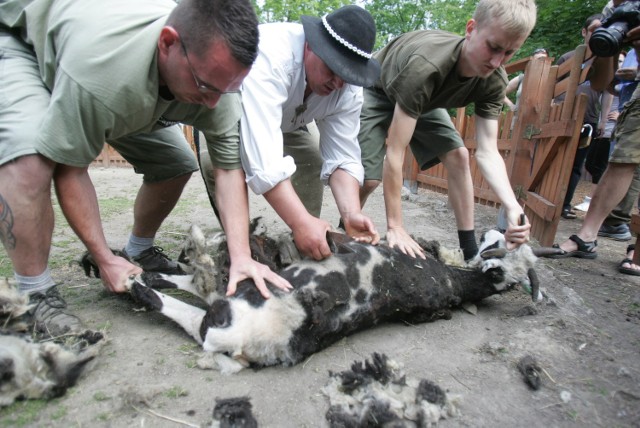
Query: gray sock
x,y
34,284
137,245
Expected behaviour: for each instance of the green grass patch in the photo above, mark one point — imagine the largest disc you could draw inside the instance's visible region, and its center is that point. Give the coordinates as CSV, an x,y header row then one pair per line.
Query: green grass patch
x,y
114,206
21,413
176,392
101,396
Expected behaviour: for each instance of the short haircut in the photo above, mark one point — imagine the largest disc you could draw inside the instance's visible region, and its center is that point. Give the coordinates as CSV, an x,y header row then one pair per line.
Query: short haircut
x,y
589,20
515,16
202,22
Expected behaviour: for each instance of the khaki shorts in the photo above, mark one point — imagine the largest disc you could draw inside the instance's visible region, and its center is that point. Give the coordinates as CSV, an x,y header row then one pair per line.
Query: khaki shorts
x,y
627,135
24,99
434,135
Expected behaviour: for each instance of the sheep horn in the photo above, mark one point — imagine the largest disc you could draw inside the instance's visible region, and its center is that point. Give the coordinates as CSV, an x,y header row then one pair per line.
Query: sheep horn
x,y
547,251
494,253
535,283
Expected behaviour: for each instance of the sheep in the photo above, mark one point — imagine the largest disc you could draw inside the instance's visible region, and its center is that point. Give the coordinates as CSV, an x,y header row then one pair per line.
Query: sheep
x,y
358,287
30,370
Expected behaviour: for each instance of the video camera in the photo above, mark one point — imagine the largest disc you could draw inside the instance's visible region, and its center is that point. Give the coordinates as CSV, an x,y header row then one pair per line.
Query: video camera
x,y
607,40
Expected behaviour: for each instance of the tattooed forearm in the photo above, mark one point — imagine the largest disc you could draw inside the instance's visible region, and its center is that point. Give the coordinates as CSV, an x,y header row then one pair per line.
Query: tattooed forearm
x,y
6,225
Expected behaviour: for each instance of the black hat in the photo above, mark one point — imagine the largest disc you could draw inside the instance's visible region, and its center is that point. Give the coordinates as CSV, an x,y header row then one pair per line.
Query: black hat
x,y
344,40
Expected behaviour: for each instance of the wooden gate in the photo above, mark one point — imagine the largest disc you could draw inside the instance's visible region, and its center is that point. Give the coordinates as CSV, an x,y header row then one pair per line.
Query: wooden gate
x,y
538,149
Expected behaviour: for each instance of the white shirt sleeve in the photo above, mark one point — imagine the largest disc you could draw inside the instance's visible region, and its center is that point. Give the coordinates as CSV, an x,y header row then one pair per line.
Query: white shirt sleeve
x,y
339,129
264,93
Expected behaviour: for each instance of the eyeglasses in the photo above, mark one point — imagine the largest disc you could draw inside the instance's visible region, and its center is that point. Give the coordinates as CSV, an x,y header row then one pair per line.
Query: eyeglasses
x,y
203,87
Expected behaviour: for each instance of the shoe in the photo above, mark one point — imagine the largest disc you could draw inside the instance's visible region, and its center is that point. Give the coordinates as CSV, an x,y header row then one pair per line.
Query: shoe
x,y
619,232
49,315
568,214
584,206
629,261
155,260
586,250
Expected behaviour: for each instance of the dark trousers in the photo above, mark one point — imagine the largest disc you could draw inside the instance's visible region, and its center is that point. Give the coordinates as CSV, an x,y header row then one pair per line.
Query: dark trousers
x,y
576,173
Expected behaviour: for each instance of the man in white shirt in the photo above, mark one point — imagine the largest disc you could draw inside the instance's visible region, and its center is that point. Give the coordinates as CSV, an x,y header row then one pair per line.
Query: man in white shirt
x,y
309,72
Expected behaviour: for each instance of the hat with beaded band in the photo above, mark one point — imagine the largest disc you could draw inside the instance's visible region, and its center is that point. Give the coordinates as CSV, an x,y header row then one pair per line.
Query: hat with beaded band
x,y
344,40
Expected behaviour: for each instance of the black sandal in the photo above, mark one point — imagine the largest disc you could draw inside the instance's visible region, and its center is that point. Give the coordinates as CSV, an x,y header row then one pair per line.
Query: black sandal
x,y
628,270
569,214
586,250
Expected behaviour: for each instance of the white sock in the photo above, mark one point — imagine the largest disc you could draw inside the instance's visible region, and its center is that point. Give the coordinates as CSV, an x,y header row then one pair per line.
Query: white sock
x,y
137,245
34,284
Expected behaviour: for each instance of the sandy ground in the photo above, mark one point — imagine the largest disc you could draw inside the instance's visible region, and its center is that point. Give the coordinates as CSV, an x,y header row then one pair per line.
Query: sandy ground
x,y
585,336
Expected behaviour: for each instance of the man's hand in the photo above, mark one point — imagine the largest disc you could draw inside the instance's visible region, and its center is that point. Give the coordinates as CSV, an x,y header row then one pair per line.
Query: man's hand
x,y
246,267
115,272
400,239
310,236
517,231
361,228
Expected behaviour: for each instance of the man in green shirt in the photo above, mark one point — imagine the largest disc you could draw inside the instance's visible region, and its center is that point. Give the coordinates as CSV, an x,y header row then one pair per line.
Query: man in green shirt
x,y
423,74
76,74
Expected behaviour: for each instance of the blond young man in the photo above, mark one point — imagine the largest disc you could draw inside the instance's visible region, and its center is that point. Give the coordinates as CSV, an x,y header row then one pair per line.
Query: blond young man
x,y
423,74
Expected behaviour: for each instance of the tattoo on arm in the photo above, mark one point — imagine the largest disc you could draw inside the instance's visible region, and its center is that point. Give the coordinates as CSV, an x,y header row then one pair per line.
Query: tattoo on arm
x,y
6,225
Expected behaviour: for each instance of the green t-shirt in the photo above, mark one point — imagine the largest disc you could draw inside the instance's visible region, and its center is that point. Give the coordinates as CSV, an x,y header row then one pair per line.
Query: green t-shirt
x,y
99,60
419,74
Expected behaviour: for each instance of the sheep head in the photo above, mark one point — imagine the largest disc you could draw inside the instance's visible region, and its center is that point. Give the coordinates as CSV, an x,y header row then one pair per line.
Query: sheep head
x,y
509,268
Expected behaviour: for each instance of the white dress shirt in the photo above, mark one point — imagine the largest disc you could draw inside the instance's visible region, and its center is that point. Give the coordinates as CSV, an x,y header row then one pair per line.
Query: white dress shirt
x,y
272,97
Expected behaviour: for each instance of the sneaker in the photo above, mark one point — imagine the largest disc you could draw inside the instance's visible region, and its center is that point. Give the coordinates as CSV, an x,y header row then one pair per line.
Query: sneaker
x,y
619,232
584,206
155,260
49,315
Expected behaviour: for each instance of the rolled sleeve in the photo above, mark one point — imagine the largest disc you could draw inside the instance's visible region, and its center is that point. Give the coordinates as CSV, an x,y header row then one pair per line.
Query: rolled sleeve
x,y
339,137
264,93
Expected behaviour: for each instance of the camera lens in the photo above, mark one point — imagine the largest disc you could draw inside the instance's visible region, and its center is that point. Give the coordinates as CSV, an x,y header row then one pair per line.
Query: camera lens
x,y
608,41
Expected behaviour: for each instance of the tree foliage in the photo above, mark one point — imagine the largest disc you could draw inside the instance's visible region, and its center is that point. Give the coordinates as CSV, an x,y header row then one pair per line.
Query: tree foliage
x,y
557,29
291,10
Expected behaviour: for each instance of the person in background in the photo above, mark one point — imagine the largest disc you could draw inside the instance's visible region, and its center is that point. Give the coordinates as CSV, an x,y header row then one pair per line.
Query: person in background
x,y
623,161
600,148
593,122
616,225
515,84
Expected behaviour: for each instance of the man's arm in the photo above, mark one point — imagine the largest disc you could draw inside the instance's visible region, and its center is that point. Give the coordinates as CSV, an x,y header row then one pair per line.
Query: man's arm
x,y
232,201
512,87
400,132
309,232
494,171
79,203
346,190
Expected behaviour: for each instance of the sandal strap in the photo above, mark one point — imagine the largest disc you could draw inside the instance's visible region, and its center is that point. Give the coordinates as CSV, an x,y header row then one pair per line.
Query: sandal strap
x,y
631,247
588,247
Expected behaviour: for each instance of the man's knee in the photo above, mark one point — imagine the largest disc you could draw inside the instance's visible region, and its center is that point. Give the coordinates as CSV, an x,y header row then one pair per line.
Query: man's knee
x,y
457,159
34,173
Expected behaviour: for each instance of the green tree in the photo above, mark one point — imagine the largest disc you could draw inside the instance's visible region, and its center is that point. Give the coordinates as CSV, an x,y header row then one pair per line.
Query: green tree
x,y
291,10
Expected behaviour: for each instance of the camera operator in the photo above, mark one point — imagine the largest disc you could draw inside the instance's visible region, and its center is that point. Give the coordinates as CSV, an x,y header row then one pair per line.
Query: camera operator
x,y
626,155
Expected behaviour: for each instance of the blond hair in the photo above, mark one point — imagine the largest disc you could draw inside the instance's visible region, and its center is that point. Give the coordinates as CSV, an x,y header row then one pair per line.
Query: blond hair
x,y
515,16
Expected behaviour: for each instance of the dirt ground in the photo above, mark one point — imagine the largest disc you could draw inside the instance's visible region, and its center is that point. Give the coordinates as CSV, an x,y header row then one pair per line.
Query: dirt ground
x,y
585,336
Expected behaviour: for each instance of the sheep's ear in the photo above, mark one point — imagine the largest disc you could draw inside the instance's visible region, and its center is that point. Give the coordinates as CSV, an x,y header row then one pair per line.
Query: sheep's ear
x,y
337,242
